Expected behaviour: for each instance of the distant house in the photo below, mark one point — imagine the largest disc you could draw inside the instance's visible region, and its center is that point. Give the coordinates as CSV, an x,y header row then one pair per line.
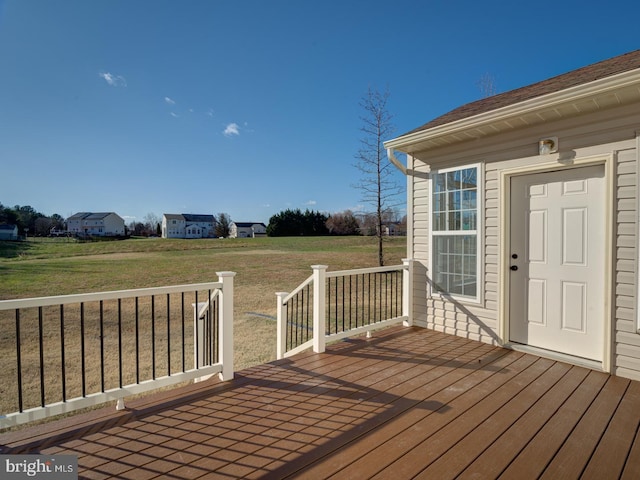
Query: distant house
x,y
106,224
247,230
392,229
8,232
187,225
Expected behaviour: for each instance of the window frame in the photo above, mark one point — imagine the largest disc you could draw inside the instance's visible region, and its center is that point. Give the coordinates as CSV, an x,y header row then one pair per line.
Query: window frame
x,y
479,233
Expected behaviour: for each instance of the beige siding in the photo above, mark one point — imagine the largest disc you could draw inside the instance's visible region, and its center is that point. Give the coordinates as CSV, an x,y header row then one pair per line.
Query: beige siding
x,y
609,133
420,247
626,346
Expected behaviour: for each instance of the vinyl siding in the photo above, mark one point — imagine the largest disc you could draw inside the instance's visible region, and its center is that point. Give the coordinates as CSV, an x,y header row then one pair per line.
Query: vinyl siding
x,y
626,346
604,133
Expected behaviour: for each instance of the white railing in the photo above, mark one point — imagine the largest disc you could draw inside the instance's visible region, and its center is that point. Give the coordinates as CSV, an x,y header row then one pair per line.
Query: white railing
x,y
62,353
329,306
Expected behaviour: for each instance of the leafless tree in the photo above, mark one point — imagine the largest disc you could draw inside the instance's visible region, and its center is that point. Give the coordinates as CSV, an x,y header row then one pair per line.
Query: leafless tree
x,y
343,223
377,184
487,85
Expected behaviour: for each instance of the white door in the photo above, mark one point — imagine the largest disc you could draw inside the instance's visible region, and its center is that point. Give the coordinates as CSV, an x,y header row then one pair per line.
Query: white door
x,y
557,261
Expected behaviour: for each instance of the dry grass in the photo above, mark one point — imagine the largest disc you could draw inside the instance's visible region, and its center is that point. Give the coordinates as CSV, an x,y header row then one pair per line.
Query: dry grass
x,y
263,267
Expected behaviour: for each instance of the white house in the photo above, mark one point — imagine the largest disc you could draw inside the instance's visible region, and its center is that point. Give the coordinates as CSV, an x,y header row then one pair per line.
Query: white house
x,y
523,217
187,225
107,224
247,230
8,232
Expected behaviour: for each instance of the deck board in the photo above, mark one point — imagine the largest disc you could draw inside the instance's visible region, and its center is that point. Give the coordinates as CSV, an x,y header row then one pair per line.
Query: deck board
x,y
408,403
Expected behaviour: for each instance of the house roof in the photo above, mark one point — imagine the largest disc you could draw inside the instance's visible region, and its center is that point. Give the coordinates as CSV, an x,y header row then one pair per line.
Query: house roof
x,y
5,226
248,224
90,215
189,217
596,71
600,85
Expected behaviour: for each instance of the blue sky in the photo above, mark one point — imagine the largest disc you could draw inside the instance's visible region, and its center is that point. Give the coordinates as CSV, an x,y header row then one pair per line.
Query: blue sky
x,y
251,107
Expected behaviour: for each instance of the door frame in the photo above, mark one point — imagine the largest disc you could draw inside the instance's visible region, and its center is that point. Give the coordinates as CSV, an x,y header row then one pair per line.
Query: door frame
x,y
504,195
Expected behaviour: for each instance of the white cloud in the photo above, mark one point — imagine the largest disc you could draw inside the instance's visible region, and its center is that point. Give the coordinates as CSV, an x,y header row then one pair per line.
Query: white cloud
x,y
311,202
170,101
174,115
113,80
209,112
232,129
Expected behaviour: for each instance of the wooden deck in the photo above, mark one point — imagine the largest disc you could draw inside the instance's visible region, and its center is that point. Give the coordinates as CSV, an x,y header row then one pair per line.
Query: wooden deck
x,y
408,403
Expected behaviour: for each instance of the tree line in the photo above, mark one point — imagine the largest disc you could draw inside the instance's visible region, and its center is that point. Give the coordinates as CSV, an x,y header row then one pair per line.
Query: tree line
x,y
286,223
30,221
289,223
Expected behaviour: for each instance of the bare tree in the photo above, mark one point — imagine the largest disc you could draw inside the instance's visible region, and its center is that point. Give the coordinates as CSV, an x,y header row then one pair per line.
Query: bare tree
x,y
487,85
377,184
151,221
343,223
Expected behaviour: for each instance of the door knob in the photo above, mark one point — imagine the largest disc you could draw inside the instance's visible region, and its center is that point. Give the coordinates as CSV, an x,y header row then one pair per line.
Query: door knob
x,y
514,267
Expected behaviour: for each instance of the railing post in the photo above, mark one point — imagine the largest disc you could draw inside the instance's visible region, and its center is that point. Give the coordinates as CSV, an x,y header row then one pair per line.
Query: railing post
x,y
407,291
225,325
319,309
281,314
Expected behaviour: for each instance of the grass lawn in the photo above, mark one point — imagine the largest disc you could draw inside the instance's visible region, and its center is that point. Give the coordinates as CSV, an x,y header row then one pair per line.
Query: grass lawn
x,y
263,266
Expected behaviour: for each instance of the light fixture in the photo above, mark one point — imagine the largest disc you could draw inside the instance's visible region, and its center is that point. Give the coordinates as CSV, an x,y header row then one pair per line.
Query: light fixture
x,y
548,145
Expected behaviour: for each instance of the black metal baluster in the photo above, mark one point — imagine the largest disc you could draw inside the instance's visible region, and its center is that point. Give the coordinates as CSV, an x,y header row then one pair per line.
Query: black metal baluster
x,y
183,329
63,368
137,317
336,302
216,329
209,337
82,351
41,346
19,360
197,332
168,335
309,318
369,299
120,359
343,300
153,337
101,346
300,318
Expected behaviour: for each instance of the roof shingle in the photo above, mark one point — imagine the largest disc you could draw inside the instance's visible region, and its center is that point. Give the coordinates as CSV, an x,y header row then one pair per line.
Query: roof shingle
x,y
622,63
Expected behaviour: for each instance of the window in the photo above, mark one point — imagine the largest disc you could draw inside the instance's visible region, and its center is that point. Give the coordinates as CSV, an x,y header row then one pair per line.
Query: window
x,y
454,241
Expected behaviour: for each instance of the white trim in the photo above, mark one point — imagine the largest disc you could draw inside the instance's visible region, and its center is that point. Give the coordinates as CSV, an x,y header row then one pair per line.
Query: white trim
x,y
504,196
479,233
360,271
410,207
637,305
113,295
560,357
93,399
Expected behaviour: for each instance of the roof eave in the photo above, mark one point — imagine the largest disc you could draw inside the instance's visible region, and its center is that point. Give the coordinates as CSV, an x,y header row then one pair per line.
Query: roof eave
x,y
468,128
